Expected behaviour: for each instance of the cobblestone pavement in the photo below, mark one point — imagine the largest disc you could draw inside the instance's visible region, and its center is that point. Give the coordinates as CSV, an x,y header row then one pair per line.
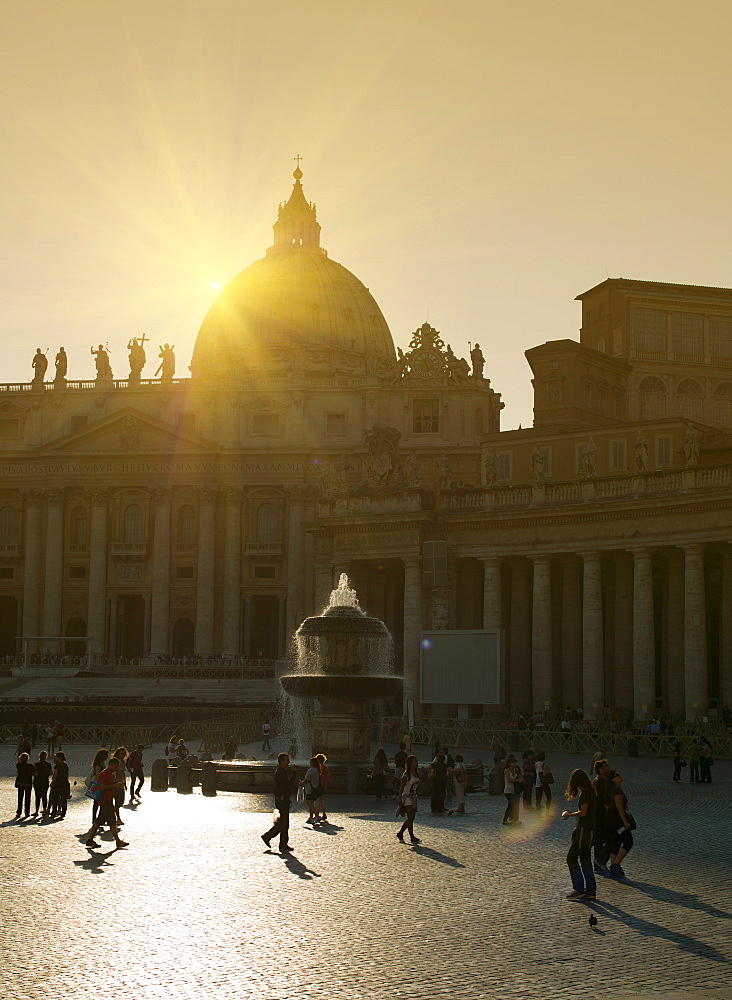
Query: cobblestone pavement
x,y
196,907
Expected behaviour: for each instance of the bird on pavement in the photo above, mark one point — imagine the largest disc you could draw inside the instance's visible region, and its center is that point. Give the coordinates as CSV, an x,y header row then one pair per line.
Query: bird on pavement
x,y
593,921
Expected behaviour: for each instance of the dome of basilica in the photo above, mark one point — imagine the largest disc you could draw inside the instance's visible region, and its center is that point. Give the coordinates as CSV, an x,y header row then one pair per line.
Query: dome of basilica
x,y
294,309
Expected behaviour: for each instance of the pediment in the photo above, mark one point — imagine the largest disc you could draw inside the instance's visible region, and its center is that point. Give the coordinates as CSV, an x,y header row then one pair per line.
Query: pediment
x,y
130,432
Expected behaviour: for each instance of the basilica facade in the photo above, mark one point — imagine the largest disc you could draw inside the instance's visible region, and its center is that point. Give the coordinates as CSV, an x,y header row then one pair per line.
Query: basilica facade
x,y
210,514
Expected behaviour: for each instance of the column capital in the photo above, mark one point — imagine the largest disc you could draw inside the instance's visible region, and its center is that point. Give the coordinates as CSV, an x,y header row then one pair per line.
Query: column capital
x,y
98,496
206,494
642,552
54,497
412,562
231,495
160,495
297,494
33,497
694,548
593,556
541,557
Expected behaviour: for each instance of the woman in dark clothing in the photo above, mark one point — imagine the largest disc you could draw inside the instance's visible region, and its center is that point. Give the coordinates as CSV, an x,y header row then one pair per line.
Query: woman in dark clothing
x,y
40,782
60,788
378,773
24,783
618,822
579,861
677,762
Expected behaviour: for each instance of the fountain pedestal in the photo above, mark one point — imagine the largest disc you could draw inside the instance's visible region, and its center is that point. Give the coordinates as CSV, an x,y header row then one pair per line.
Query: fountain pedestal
x,y
345,737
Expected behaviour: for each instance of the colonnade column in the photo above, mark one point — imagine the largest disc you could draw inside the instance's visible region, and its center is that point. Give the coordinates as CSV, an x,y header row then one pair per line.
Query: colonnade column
x,y
32,563
644,642
725,695
593,659
113,614
519,693
571,633
54,563
492,606
674,693
247,641
541,633
624,696
231,636
695,633
160,611
206,569
295,560
412,627
97,611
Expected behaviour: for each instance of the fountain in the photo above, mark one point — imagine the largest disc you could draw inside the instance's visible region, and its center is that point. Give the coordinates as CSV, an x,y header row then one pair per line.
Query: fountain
x,y
344,660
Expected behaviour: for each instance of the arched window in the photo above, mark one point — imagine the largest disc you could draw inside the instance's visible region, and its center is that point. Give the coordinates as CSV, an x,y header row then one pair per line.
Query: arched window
x,y
690,399
8,525
186,533
134,524
723,405
267,523
79,527
652,399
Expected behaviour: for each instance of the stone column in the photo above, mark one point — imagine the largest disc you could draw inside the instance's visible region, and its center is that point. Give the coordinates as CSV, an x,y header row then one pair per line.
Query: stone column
x,y
295,560
725,694
323,585
518,696
247,643
96,625
624,694
593,665
113,613
54,565
160,613
695,633
541,633
571,633
204,643
32,564
412,628
644,642
492,603
675,681
232,572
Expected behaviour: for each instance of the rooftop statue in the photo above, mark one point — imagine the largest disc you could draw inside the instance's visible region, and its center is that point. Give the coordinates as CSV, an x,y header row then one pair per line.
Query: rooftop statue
x,y
104,369
167,365
444,471
137,357
40,364
537,463
641,452
691,445
62,365
476,356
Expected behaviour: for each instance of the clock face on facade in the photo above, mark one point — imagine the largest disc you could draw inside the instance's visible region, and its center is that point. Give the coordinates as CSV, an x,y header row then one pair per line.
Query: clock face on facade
x,y
426,364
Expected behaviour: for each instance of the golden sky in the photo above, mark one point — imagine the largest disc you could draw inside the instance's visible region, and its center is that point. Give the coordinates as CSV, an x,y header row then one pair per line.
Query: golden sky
x,y
476,164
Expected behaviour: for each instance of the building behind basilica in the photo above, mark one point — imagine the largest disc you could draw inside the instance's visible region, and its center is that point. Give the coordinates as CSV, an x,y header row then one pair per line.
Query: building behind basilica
x,y
209,515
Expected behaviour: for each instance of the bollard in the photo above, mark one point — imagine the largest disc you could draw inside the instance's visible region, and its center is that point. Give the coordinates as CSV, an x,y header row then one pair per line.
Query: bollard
x,y
159,775
208,778
183,778
352,781
195,770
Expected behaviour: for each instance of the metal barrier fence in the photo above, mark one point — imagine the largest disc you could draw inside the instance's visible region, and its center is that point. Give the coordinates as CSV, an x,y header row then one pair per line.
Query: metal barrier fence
x,y
458,733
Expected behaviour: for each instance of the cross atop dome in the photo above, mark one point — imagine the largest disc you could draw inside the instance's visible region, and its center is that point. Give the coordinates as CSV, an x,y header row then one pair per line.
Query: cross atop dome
x,y
297,227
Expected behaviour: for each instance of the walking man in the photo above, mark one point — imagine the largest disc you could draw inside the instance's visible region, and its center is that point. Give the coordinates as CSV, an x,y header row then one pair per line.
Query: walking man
x,y
134,766
107,815
282,790
266,729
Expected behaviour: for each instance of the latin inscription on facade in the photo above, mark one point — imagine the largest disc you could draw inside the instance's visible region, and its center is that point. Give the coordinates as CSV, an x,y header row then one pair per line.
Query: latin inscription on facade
x,y
145,468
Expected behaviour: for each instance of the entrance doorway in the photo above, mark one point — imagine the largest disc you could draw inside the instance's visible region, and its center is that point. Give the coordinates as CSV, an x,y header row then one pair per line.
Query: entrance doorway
x,y
75,627
8,625
131,625
264,642
183,637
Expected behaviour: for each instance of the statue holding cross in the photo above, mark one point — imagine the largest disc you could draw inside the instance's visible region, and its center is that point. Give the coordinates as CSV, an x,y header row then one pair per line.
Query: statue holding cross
x,y
137,357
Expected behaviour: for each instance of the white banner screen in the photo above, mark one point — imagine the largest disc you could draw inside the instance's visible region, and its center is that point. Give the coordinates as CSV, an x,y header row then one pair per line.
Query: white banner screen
x,y
462,667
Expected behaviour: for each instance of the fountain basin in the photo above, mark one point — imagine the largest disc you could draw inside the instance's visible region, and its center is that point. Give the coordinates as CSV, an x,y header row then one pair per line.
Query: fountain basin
x,y
343,686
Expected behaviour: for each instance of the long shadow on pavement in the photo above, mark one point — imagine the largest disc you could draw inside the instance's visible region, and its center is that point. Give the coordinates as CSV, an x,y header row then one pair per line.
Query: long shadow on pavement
x,y
96,862
444,859
665,895
648,929
298,868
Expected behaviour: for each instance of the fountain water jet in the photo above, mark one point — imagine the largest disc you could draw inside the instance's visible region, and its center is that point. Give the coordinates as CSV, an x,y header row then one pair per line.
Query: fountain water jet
x,y
344,660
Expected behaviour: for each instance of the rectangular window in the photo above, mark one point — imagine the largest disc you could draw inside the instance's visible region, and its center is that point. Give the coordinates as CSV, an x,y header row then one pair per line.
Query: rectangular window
x,y
649,330
265,423
9,428
617,456
618,341
6,572
184,572
505,466
77,572
187,423
720,336
265,572
335,424
601,346
426,416
664,451
687,333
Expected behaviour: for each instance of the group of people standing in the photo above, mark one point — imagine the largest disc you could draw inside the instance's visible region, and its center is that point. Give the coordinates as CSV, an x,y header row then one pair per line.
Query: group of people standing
x,y
48,781
533,781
